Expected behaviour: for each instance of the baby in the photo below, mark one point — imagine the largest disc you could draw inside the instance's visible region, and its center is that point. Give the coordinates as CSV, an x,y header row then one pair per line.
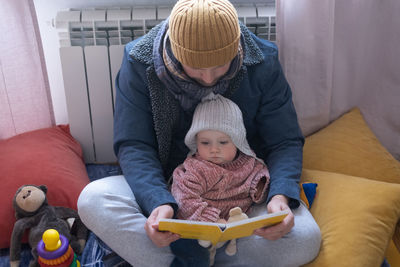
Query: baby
x,y
221,171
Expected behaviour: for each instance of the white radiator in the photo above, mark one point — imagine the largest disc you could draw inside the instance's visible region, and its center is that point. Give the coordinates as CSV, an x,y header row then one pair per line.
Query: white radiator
x,y
91,49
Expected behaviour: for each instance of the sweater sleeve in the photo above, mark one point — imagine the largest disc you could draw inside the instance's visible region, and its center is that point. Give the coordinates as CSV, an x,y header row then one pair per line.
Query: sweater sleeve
x,y
259,185
187,188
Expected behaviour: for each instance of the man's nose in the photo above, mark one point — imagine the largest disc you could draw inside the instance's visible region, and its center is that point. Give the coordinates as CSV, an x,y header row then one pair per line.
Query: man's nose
x,y
208,76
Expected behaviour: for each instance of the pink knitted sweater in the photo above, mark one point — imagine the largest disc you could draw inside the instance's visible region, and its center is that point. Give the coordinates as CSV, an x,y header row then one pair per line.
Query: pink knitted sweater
x,y
206,191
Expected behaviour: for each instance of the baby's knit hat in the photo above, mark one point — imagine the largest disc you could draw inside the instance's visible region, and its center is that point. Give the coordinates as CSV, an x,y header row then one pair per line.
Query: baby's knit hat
x,y
218,113
204,33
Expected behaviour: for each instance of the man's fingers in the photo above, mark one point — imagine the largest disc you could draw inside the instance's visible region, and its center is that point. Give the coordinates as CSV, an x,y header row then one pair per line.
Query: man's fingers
x,y
277,231
160,239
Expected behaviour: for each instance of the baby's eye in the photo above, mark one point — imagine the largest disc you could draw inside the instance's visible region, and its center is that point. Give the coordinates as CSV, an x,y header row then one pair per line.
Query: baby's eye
x,y
204,143
224,142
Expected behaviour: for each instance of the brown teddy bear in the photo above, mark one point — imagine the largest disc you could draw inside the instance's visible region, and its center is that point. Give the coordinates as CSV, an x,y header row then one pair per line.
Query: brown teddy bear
x,y
34,213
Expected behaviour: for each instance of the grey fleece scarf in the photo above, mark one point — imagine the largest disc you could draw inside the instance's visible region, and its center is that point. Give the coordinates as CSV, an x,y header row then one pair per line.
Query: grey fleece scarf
x,y
186,90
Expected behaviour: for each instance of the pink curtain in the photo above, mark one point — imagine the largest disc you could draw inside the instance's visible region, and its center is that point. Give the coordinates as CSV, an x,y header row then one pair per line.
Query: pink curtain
x,y
338,54
25,102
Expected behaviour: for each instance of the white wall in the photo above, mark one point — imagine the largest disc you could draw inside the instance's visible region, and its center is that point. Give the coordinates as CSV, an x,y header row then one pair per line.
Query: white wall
x,y
46,11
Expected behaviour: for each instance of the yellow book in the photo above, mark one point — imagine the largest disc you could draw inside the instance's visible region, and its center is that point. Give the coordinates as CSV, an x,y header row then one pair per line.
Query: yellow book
x,y
218,232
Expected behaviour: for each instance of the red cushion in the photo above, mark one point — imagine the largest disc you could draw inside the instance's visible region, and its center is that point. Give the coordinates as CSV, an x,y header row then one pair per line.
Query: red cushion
x,y
49,156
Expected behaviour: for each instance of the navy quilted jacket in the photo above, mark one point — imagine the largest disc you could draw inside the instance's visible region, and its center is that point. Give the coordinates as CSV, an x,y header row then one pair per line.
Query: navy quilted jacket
x,y
150,126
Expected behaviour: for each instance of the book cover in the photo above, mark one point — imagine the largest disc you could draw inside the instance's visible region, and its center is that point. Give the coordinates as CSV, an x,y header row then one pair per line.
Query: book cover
x,y
217,232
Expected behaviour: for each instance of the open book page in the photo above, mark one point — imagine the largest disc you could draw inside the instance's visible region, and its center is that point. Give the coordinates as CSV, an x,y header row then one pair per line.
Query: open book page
x,y
193,229
246,227
216,232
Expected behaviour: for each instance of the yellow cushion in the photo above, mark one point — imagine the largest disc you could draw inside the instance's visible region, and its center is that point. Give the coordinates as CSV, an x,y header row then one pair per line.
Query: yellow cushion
x,y
348,146
393,255
357,217
396,238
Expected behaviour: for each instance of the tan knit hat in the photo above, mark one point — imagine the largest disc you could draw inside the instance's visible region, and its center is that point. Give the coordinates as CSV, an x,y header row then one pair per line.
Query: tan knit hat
x,y
204,33
218,113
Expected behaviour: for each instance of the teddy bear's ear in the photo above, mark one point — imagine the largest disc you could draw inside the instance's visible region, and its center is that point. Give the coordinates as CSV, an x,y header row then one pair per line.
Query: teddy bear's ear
x,y
43,188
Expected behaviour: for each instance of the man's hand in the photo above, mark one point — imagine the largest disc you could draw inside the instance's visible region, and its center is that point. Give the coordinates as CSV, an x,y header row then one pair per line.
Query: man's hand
x,y
160,239
277,203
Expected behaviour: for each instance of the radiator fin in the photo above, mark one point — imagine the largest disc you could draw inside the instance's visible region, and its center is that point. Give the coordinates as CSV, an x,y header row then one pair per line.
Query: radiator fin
x,y
91,49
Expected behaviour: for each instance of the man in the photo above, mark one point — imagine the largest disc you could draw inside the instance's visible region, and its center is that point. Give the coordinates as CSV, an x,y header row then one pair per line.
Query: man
x,y
200,48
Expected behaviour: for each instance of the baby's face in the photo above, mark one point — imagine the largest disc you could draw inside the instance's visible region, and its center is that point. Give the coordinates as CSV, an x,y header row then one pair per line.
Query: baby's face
x,y
215,146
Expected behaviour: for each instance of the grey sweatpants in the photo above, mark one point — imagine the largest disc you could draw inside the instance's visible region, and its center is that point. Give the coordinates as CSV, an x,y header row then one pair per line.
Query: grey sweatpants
x,y
108,208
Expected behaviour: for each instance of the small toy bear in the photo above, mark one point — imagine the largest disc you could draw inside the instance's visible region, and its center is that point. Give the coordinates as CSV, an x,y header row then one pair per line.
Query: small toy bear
x,y
34,213
235,214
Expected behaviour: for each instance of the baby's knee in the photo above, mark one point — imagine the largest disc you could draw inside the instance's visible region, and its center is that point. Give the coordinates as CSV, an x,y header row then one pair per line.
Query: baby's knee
x,y
188,252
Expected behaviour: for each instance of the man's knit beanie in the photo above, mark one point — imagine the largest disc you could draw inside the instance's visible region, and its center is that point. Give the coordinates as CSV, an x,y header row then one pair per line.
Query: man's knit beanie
x,y
204,33
218,113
